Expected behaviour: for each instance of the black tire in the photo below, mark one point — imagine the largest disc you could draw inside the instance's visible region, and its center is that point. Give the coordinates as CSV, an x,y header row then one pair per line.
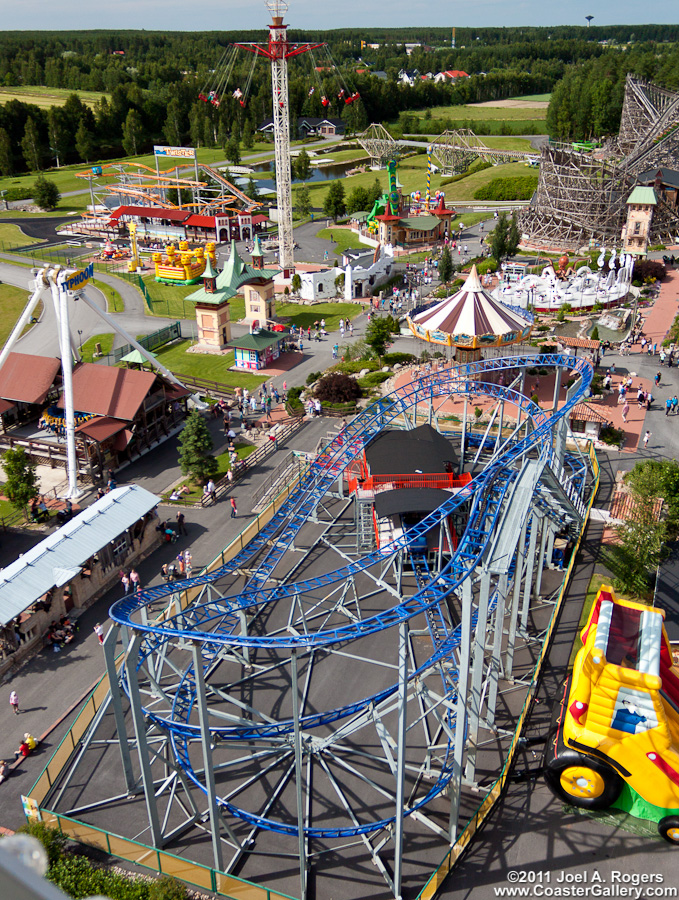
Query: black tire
x,y
583,781
668,829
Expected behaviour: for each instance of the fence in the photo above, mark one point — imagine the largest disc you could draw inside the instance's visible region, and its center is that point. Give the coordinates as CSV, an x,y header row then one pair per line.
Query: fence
x,y
437,878
260,454
149,341
160,861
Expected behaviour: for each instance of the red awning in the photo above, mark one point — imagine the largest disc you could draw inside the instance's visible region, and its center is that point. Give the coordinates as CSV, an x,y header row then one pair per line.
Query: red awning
x,y
196,221
122,439
100,428
151,212
5,406
176,392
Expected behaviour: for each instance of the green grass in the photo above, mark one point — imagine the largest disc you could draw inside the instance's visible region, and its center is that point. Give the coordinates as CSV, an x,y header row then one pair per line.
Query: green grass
x,y
115,301
87,349
338,156
44,97
303,316
195,491
343,240
170,300
12,302
13,236
206,365
473,112
541,98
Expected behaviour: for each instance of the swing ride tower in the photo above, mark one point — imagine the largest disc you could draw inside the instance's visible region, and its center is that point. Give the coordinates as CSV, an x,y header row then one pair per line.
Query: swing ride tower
x,y
279,50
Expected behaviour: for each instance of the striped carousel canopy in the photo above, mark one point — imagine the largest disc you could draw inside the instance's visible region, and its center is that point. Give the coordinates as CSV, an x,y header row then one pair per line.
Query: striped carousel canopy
x,y
470,318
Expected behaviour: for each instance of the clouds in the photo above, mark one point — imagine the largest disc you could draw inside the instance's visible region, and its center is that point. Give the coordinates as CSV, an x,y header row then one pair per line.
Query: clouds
x,y
228,15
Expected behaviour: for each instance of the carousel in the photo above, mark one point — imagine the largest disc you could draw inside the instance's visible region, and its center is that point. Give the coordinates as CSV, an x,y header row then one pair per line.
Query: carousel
x,y
471,320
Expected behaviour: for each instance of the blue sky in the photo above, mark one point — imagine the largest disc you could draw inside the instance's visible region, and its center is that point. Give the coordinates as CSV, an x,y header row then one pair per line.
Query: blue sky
x,y
223,15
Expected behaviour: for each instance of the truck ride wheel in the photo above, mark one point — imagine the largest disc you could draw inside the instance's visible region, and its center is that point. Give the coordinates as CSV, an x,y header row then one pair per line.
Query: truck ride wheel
x,y
583,781
669,829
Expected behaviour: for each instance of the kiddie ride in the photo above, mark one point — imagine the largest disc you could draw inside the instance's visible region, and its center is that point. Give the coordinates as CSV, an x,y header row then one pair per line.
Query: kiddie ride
x,y
616,742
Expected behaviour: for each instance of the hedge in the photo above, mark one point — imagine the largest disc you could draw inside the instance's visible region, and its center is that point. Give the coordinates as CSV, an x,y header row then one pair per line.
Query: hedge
x,y
520,187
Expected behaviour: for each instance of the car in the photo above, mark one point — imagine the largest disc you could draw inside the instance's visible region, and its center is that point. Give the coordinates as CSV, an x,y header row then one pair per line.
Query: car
x,y
615,739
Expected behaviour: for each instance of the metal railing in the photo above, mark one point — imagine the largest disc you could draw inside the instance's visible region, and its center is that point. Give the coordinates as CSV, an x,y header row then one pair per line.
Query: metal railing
x,y
446,865
271,446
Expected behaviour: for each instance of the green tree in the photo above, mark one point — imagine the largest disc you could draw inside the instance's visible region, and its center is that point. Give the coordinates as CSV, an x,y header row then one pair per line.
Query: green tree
x,y
513,236
359,201
195,449
378,336
21,481
56,133
302,201
32,147
84,141
248,135
251,188
339,283
499,238
45,193
334,205
232,150
296,283
172,128
374,193
303,166
6,153
133,133
446,267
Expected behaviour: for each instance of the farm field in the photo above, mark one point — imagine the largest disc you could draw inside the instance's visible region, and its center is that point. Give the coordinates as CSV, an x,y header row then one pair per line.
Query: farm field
x,y
484,113
44,97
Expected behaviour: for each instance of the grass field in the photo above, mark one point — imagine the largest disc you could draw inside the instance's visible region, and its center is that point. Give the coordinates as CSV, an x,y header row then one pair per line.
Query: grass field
x,y
44,97
87,349
412,173
169,300
474,112
343,239
13,236
540,98
12,302
303,316
206,365
115,301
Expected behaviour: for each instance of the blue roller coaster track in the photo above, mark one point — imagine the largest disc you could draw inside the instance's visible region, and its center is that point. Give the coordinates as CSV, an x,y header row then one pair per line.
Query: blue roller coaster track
x,y
216,624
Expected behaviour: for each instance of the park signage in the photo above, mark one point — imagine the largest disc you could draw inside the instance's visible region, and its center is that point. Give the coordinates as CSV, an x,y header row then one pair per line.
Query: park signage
x,y
78,280
183,152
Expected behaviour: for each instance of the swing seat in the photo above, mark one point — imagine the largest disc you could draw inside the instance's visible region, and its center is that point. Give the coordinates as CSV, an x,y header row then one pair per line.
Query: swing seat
x,y
325,101
202,97
281,104
242,103
215,103
348,100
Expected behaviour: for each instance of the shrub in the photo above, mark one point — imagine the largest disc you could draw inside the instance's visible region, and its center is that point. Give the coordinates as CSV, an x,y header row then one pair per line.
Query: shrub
x,y
520,187
374,378
294,392
611,435
52,840
313,376
166,888
392,359
645,269
336,387
547,348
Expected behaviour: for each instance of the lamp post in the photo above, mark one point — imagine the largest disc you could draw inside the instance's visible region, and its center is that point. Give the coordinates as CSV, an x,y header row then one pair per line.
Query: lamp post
x,y
80,340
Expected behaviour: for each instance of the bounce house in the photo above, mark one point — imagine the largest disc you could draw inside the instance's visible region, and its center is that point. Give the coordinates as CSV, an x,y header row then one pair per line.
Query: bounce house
x,y
616,741
185,268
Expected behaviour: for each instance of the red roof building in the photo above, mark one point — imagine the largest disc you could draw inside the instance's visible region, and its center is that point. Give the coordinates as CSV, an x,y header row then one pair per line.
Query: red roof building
x,y
28,379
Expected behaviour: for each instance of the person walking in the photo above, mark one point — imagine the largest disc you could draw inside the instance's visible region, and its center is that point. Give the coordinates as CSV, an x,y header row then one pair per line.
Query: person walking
x,y
668,406
188,562
657,379
675,403
647,438
181,526
234,509
14,702
125,581
625,412
135,582
99,631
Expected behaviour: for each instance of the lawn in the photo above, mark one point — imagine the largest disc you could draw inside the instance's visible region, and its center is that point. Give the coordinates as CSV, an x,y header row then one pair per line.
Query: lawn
x,y
196,491
169,300
473,112
44,97
13,236
303,316
343,239
412,173
12,302
206,365
87,349
115,301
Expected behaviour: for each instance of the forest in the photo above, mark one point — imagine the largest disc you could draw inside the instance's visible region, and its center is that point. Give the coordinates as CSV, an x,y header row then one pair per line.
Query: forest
x,y
150,82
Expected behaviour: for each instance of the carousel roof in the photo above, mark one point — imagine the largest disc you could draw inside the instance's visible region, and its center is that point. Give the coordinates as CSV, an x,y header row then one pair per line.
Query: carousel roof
x,y
471,312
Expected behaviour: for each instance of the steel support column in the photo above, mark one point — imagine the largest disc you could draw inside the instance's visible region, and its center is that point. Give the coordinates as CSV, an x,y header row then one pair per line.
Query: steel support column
x,y
301,843
477,674
110,642
401,754
461,707
206,742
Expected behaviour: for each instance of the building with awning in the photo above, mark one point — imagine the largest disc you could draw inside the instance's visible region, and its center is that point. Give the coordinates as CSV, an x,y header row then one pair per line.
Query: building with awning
x,y
27,382
76,564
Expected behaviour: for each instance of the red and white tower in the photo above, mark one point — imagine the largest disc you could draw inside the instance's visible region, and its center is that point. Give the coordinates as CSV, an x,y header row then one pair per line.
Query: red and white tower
x,y
279,50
